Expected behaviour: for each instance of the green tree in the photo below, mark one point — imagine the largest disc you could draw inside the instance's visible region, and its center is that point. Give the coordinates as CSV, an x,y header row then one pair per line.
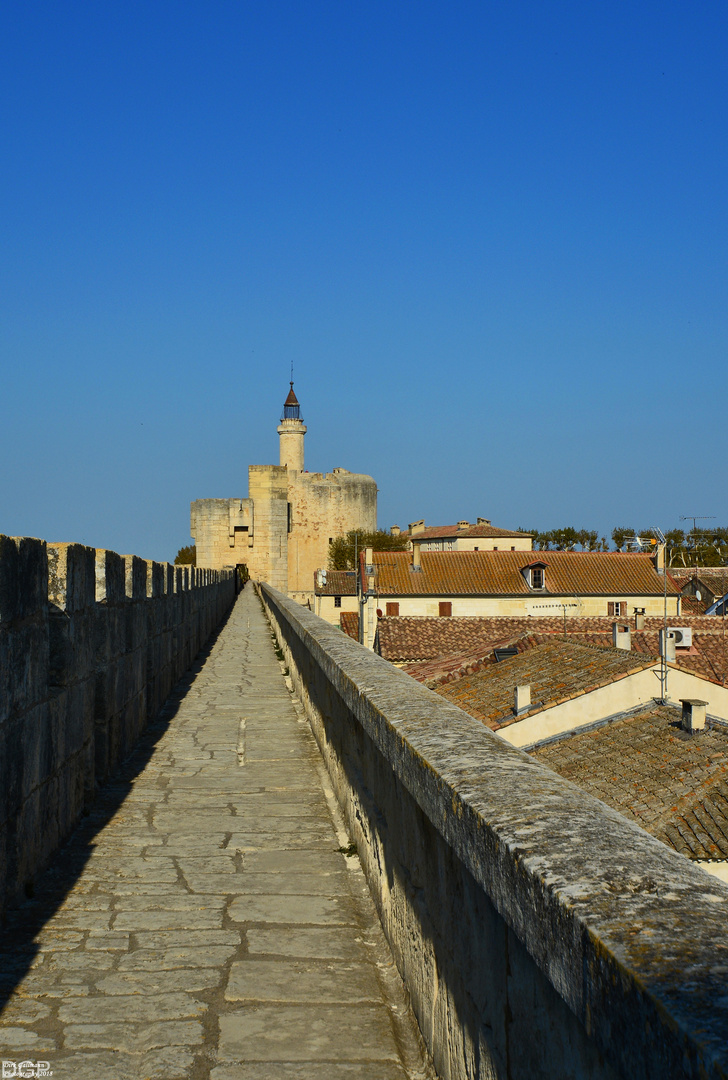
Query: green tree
x,y
186,556
341,551
620,535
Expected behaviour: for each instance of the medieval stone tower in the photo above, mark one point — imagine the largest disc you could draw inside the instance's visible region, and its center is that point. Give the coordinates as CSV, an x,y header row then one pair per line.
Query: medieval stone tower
x,y
282,531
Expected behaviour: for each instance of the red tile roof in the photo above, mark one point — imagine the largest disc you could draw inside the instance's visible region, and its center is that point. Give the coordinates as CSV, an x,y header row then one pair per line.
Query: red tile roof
x,y
438,532
556,671
469,639
349,623
338,583
499,573
672,784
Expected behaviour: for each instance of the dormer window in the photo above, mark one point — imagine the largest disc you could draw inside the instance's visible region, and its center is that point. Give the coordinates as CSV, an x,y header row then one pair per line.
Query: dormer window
x,y
535,575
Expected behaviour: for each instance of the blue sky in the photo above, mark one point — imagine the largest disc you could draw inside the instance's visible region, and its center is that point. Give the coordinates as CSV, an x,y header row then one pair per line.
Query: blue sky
x,y
491,237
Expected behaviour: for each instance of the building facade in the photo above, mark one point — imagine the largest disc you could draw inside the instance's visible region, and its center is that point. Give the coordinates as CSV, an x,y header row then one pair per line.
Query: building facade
x,y
282,531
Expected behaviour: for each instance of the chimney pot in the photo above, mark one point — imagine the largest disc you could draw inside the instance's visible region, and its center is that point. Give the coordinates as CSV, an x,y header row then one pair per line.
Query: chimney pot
x,y
693,714
522,698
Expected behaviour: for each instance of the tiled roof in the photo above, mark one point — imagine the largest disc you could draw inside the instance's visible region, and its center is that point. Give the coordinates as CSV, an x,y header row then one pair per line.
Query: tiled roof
x,y
338,583
673,784
498,573
438,532
711,579
406,638
349,623
556,671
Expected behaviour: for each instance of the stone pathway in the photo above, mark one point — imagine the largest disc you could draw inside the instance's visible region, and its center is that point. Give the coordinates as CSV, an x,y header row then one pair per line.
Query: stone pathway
x,y
202,923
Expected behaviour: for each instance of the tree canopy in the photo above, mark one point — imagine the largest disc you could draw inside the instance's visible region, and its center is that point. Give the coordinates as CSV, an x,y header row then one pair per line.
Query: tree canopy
x,y
697,547
342,550
186,556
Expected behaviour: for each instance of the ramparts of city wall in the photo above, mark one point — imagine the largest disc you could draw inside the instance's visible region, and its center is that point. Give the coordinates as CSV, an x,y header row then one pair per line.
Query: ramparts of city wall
x,y
91,644
539,933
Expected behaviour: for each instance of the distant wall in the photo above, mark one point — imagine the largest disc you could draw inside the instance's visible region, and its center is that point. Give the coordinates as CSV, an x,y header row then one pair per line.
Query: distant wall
x,y
540,934
91,644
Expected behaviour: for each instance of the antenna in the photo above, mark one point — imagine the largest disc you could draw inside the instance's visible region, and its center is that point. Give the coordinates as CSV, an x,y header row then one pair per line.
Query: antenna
x,y
291,373
697,517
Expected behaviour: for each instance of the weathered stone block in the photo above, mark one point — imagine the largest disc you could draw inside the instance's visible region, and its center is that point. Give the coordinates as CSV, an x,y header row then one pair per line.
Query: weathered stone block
x,y
110,570
71,576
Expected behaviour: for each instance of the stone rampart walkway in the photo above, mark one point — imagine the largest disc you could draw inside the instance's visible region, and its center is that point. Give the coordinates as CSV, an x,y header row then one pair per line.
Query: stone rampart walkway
x,y
202,922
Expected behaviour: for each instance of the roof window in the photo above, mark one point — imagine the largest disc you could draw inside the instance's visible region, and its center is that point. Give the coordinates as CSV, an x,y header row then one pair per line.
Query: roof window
x,y
535,575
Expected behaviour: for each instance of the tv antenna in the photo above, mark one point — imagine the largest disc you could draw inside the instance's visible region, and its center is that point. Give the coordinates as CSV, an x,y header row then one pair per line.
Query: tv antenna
x,y
697,517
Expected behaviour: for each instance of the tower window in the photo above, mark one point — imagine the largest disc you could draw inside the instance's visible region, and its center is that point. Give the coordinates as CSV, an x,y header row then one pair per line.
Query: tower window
x,y
337,601
290,517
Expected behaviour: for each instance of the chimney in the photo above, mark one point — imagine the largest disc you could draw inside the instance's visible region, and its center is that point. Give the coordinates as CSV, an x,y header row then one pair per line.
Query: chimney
x,y
463,524
693,714
395,530
639,618
521,698
621,636
416,563
483,521
659,558
667,645
416,527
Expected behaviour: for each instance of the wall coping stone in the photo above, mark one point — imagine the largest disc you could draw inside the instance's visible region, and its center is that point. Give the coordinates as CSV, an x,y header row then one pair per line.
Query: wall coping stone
x,y
631,934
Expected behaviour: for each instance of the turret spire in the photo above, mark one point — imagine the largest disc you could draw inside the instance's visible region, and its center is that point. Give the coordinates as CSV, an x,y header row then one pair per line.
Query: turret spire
x,y
291,431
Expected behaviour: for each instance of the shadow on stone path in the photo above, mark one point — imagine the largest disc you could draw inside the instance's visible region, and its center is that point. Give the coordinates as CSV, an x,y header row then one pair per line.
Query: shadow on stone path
x,y
202,922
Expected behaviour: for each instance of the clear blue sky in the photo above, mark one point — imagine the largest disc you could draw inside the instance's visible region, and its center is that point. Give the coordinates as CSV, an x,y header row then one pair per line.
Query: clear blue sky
x,y
492,238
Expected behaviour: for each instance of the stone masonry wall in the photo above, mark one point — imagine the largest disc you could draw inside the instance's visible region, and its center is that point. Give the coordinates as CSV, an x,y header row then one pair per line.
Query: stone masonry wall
x,y
539,933
91,644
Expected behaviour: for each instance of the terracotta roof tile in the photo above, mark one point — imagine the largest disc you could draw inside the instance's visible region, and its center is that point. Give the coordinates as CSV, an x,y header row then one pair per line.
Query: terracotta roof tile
x,y
499,573
555,670
437,532
349,623
467,639
672,784
338,583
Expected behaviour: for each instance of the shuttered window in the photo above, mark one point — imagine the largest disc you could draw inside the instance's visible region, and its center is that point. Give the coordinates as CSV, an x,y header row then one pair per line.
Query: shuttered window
x,y
445,607
392,609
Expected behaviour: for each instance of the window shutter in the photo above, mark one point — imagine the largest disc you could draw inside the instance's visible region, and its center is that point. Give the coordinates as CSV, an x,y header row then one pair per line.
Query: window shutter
x,y
445,607
392,609
610,607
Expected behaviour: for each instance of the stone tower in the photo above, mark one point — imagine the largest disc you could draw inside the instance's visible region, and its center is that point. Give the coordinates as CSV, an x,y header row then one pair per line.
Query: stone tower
x,y
283,530
291,431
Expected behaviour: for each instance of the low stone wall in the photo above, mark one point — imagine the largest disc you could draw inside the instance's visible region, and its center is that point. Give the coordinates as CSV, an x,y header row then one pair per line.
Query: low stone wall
x,y
539,933
91,643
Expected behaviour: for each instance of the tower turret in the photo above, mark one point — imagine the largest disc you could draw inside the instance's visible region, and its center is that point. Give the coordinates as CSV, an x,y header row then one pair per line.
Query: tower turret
x,y
291,431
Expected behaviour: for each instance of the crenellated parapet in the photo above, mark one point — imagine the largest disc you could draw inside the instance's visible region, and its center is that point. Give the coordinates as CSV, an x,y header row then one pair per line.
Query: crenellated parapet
x,y
91,644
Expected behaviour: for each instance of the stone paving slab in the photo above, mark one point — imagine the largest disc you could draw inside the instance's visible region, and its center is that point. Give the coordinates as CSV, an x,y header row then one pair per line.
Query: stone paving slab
x,y
203,923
